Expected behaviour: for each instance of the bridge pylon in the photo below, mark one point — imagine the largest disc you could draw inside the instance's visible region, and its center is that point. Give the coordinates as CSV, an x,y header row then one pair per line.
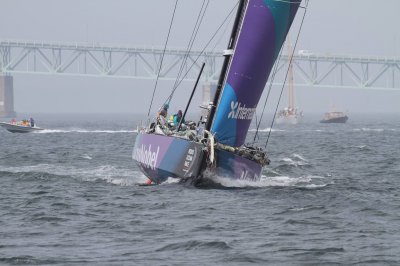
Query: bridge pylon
x,y
6,96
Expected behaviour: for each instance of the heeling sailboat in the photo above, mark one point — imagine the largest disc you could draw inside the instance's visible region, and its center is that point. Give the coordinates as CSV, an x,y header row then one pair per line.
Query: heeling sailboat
x,y
257,36
290,114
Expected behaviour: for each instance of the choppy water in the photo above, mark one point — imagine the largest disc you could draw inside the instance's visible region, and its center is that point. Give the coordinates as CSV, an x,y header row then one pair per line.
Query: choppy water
x,y
70,195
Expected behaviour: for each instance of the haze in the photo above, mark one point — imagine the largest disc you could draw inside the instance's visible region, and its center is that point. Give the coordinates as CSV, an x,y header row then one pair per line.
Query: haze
x,y
355,27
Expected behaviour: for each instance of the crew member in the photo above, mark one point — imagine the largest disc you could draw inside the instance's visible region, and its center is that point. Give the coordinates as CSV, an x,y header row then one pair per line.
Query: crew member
x,y
163,111
177,118
162,115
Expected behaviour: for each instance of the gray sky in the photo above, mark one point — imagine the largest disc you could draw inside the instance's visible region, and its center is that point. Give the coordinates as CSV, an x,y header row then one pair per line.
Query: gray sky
x,y
359,27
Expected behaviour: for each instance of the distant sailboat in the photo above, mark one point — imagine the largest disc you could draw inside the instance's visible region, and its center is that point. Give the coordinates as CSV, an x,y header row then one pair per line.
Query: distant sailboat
x,y
290,114
217,147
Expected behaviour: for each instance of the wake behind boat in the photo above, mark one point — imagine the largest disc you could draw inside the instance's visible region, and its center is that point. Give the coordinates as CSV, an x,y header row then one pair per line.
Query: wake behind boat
x,y
23,126
216,144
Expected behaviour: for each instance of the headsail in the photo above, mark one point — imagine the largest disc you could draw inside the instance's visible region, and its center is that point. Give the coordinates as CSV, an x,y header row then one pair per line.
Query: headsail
x,y
263,29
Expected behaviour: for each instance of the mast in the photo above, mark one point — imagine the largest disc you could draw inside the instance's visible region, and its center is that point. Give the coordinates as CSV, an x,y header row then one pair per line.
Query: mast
x,y
231,45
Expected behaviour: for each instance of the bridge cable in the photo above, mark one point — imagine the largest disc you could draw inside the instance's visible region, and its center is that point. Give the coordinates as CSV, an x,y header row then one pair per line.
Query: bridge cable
x,y
162,58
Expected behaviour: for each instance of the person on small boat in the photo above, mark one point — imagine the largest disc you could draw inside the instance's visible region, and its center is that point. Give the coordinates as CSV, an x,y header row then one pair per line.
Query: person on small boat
x,y
32,122
25,123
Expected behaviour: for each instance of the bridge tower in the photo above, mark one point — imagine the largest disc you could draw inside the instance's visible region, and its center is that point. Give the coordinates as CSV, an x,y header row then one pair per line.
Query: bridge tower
x,y
209,89
6,96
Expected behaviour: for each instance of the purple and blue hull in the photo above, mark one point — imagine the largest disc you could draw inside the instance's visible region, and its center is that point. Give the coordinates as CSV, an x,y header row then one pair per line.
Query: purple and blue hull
x,y
160,157
230,165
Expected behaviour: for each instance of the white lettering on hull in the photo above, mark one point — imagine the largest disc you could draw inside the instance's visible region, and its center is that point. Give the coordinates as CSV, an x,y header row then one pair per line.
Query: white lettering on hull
x,y
146,156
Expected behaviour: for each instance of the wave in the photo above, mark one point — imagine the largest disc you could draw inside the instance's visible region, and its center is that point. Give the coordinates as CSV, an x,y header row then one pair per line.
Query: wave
x,y
107,173
310,182
128,177
29,260
171,180
369,129
268,129
86,156
195,244
294,160
49,131
298,156
359,147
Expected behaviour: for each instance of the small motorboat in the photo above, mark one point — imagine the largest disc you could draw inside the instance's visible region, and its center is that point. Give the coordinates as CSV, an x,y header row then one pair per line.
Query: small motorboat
x,y
20,127
334,117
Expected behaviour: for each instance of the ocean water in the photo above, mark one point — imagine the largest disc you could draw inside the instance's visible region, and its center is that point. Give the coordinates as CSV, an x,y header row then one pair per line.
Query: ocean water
x,y
71,195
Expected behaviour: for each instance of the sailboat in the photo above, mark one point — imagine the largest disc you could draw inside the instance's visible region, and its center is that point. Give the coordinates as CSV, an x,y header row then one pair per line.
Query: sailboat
x,y
217,147
290,114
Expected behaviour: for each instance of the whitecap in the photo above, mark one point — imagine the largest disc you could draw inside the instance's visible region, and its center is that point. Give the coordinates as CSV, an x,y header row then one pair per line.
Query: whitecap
x,y
171,180
87,156
292,162
369,129
298,156
268,129
48,131
107,173
272,181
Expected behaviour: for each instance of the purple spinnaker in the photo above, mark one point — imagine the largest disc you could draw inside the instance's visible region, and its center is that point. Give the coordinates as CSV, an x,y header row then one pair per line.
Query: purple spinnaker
x,y
262,33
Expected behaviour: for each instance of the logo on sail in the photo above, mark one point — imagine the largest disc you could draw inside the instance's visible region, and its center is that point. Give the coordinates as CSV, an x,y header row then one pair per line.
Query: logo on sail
x,y
146,156
241,112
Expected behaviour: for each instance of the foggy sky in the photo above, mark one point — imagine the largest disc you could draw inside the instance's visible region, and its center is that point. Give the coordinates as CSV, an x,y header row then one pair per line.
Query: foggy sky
x,y
357,27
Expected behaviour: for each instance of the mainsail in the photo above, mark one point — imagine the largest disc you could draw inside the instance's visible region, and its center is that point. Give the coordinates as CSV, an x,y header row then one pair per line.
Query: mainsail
x,y
262,31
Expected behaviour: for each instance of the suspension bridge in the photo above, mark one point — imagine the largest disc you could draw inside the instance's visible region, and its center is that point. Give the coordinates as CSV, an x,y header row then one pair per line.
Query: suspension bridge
x,y
311,69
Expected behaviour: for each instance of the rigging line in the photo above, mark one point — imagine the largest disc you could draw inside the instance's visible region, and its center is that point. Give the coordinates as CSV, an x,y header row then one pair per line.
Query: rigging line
x,y
222,35
194,35
200,18
270,86
256,124
202,51
198,28
269,92
162,58
290,61
188,48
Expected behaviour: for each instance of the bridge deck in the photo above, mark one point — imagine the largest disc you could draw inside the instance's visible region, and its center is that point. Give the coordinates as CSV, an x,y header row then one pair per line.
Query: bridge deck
x,y
110,60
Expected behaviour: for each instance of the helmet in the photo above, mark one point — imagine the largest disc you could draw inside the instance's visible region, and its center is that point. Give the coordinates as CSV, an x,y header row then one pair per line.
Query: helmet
x,y
166,106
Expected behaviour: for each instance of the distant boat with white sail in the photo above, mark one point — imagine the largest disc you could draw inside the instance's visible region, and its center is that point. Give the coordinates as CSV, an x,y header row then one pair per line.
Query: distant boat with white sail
x,y
290,114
